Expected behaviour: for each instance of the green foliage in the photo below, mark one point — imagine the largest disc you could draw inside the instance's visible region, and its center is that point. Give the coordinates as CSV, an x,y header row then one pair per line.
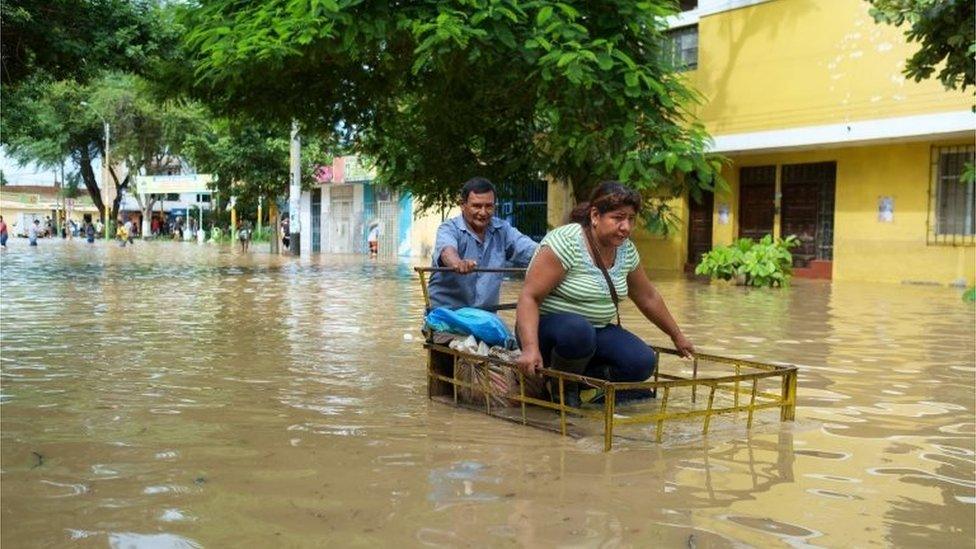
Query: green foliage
x,y
251,159
45,121
764,263
969,295
78,39
439,91
48,120
968,174
55,55
148,131
945,31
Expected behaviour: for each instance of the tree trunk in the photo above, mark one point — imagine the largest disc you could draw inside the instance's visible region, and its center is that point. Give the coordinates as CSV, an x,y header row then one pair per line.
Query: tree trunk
x,y
118,195
146,209
88,176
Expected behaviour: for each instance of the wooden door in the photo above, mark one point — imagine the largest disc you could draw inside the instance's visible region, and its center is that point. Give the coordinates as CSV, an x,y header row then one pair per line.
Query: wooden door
x,y
699,227
807,209
757,195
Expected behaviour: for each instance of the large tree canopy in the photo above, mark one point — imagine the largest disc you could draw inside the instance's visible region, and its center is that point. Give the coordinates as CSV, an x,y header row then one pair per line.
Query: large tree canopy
x,y
437,91
47,121
78,39
946,33
250,160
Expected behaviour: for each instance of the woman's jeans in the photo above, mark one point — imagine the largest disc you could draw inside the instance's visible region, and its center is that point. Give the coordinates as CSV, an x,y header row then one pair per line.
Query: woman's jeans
x,y
618,355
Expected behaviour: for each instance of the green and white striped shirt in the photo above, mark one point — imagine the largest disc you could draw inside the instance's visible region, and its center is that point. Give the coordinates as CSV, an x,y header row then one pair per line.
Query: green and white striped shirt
x,y
583,290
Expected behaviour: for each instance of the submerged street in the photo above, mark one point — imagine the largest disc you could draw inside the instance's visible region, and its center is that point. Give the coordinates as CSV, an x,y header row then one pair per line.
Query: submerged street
x,y
175,395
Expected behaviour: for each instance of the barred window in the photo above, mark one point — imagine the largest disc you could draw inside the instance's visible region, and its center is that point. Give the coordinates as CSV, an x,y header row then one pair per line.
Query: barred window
x,y
952,205
684,47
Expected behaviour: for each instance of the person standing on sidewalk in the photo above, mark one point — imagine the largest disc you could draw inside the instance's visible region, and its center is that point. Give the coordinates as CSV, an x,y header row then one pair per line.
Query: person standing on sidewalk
x,y
3,233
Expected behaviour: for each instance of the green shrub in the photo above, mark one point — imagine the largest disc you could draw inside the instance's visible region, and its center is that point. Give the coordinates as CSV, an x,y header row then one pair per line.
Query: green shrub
x,y
970,295
764,263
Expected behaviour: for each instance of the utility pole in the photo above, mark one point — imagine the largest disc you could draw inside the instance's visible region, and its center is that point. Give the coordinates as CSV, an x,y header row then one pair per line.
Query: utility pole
x,y
57,206
274,225
260,203
107,180
295,191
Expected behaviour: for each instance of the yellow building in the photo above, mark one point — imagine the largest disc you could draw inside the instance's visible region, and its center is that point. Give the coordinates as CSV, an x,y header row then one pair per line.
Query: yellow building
x,y
827,140
20,205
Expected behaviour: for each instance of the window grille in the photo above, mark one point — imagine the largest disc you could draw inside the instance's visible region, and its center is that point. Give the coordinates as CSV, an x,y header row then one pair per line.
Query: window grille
x,y
341,192
684,47
952,198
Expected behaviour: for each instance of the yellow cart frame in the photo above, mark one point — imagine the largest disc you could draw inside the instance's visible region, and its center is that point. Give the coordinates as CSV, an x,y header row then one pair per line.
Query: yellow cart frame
x,y
741,380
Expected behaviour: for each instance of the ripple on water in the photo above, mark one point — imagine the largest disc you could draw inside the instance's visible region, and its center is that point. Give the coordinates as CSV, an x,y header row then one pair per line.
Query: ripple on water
x,y
769,526
65,490
127,540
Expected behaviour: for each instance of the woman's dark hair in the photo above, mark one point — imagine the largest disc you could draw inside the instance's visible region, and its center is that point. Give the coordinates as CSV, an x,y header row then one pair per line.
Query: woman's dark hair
x,y
606,197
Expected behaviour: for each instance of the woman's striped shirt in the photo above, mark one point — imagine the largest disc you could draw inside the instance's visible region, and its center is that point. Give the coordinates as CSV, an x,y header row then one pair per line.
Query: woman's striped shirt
x,y
583,289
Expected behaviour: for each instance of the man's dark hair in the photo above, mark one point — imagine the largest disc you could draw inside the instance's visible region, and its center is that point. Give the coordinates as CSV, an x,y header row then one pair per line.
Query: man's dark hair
x,y
476,185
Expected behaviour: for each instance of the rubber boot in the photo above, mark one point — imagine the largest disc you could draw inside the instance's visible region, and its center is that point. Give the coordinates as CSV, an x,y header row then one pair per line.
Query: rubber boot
x,y
571,390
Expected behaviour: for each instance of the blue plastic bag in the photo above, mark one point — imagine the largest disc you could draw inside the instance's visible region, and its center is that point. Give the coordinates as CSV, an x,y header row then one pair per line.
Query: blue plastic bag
x,y
484,326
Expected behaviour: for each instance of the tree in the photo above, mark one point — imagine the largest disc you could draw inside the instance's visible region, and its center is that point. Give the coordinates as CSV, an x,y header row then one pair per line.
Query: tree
x,y
250,160
436,92
45,122
148,131
946,32
78,39
48,121
51,53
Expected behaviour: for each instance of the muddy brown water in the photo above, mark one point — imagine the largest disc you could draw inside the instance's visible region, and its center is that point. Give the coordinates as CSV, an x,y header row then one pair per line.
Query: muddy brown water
x,y
173,395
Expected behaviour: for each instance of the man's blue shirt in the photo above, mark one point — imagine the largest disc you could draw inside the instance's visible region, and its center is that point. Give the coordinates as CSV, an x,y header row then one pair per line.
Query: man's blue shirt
x,y
503,246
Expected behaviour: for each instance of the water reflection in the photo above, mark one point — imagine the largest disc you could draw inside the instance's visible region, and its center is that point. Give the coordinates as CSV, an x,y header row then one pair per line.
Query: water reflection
x,y
170,395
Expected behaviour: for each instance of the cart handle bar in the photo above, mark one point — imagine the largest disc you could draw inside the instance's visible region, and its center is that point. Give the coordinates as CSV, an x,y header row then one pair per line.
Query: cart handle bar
x,y
513,270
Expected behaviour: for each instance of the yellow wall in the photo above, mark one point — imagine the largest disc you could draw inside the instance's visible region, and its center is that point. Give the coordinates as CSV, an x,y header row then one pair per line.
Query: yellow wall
x,y
11,215
864,248
665,253
657,252
559,202
791,63
423,232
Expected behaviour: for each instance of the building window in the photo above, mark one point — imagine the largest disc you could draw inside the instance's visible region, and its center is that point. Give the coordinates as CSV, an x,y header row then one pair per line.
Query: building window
x,y
952,204
684,47
203,198
173,197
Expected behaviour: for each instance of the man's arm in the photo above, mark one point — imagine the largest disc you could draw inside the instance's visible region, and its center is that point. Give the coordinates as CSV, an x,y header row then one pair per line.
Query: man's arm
x,y
446,251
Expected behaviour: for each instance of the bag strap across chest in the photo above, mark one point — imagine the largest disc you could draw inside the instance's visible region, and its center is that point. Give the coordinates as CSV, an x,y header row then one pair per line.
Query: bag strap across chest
x,y
598,260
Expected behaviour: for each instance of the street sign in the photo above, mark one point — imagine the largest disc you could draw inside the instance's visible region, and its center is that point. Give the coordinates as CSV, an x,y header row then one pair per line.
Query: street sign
x,y
164,184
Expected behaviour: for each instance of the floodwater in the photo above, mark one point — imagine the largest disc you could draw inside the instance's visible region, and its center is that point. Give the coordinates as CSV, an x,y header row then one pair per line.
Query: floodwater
x,y
175,395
